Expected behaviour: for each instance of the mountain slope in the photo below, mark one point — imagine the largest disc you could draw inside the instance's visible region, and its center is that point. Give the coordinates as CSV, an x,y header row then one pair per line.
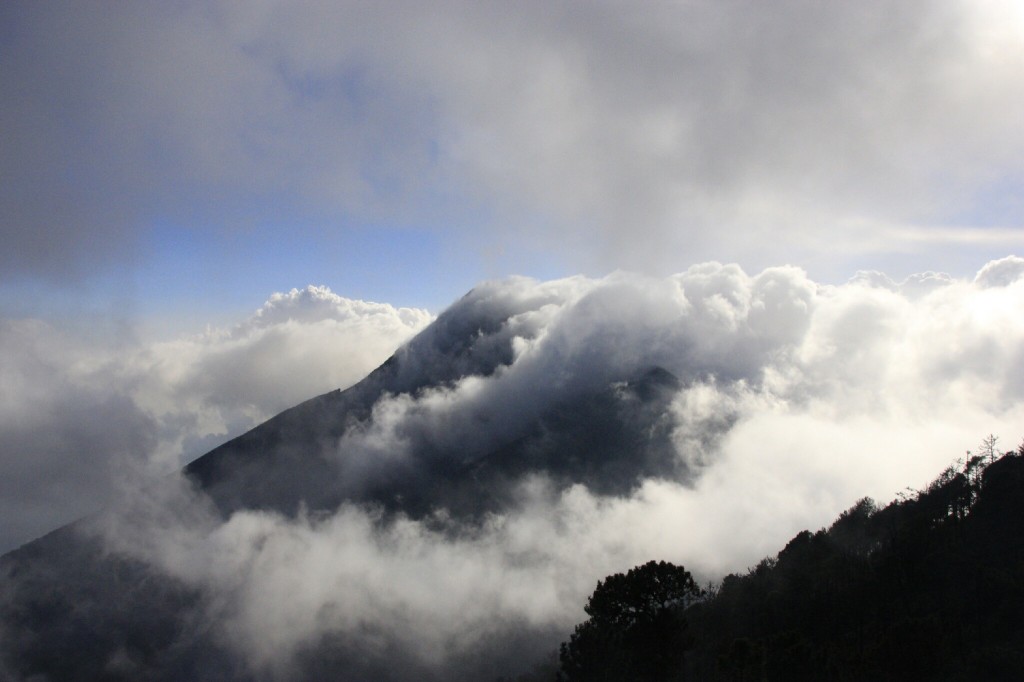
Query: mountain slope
x,y
928,587
73,607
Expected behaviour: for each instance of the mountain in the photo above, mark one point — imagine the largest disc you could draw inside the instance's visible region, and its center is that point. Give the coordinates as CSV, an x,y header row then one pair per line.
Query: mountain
x,y
445,517
927,587
76,605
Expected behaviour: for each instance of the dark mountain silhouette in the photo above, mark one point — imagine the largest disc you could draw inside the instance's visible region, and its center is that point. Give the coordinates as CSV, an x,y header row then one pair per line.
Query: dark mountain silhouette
x,y
608,438
928,588
71,609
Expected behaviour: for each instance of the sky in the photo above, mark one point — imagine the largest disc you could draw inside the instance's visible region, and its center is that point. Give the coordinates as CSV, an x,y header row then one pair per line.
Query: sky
x,y
174,175
188,159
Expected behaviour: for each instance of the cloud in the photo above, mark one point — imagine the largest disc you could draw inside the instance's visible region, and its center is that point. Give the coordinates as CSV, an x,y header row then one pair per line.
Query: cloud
x,y
298,344
64,430
80,413
720,130
794,400
1000,273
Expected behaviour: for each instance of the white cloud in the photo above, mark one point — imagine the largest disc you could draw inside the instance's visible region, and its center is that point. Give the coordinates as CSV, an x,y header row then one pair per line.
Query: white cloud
x,y
78,414
1000,273
797,399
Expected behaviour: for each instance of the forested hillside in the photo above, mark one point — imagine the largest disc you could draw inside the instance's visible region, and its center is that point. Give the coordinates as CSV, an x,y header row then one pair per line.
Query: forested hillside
x,y
930,587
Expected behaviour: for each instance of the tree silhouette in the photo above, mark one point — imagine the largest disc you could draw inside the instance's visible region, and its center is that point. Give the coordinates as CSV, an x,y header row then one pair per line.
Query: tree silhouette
x,y
635,630
988,447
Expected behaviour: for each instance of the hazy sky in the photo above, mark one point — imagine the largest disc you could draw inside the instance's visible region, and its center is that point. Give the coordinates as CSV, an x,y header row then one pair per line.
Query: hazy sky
x,y
190,158
168,168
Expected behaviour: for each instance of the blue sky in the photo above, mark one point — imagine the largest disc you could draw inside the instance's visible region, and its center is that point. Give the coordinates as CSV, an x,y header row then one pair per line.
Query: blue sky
x,y
188,159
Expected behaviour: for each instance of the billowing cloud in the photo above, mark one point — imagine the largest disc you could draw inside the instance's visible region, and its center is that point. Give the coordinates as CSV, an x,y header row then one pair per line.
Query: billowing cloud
x,y
77,412
299,344
793,400
1001,273
728,130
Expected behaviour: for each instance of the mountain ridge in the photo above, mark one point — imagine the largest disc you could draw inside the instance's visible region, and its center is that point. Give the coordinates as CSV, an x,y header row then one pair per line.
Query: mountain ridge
x,y
73,607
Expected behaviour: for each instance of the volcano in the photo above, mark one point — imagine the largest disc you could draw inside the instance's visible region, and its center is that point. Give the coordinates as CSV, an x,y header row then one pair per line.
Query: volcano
x,y
76,607
446,517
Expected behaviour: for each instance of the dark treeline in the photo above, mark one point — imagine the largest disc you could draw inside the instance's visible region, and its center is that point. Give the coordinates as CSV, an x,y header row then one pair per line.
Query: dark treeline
x,y
929,587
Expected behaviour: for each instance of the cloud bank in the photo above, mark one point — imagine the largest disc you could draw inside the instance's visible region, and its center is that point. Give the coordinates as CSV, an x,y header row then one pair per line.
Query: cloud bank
x,y
718,129
794,400
79,411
